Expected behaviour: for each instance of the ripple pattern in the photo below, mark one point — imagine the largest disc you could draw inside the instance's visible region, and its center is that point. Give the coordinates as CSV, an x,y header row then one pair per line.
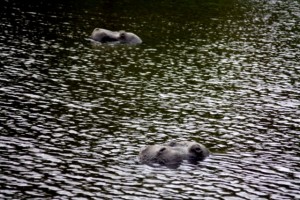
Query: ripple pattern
x,y
73,116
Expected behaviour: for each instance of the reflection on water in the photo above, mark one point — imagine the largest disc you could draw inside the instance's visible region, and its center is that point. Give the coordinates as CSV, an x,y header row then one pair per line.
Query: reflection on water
x,y
73,116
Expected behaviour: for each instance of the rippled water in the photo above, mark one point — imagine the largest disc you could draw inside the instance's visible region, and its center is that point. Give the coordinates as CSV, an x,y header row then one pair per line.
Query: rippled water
x,y
74,116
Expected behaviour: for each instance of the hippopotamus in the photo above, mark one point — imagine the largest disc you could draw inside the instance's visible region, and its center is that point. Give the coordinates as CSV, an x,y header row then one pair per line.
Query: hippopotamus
x,y
173,153
118,37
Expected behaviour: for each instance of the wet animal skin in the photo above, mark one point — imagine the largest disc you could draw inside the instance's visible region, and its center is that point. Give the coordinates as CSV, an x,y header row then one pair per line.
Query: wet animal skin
x,y
173,153
116,37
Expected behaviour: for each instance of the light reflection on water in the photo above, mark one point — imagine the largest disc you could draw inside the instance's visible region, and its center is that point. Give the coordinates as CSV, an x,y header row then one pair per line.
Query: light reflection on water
x,y
74,116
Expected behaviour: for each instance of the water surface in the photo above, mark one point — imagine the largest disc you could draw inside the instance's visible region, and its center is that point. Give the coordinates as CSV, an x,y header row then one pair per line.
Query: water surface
x,y
73,116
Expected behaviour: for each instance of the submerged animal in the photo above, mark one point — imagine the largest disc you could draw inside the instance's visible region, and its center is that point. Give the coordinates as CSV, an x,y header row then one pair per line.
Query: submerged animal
x,y
119,37
173,153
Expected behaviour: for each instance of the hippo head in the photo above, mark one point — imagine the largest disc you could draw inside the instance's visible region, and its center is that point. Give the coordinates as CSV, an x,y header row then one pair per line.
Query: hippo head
x,y
173,153
160,154
104,36
129,38
191,151
115,37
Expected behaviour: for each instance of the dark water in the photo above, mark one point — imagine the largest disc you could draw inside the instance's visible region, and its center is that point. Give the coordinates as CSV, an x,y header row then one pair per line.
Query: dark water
x,y
74,116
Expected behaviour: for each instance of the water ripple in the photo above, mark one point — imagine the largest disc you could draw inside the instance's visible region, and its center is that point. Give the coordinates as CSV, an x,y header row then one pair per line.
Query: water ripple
x,y
73,116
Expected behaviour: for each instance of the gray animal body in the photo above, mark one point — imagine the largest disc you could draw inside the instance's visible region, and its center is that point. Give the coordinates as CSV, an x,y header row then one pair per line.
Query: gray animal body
x,y
119,37
173,153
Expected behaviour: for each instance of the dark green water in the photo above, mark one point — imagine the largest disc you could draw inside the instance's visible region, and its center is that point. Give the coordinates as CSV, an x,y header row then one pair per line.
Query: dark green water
x,y
73,116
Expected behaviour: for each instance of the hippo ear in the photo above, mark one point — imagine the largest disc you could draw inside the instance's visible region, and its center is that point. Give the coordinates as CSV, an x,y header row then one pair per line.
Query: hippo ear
x,y
197,149
122,35
163,149
172,143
